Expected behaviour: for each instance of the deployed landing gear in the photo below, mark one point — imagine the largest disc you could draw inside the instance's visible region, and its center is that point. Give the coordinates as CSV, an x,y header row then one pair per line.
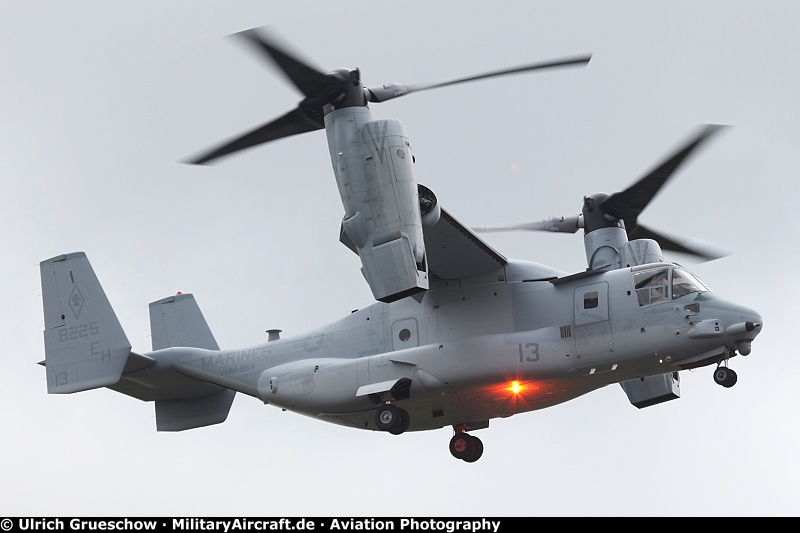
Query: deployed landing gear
x,y
405,420
466,447
391,418
725,376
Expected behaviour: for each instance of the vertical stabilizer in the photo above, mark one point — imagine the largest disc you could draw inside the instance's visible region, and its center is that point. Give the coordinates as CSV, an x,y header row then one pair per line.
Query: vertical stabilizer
x,y
85,346
178,321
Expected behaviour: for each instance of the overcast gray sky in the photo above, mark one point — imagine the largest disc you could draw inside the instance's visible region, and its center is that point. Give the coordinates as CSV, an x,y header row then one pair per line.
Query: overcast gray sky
x,y
102,100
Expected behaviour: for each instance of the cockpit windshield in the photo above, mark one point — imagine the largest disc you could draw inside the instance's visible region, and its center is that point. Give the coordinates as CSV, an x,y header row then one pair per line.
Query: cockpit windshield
x,y
653,286
684,283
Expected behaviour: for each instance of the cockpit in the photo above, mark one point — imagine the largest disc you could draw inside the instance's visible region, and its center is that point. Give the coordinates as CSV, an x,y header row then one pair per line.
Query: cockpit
x,y
664,282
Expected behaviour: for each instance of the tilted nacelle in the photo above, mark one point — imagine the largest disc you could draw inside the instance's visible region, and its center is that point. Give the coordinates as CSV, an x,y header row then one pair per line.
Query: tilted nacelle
x,y
374,171
609,248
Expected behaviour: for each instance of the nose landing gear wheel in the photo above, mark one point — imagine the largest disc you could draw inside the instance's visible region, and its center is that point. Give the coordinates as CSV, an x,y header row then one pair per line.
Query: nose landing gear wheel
x,y
725,376
466,447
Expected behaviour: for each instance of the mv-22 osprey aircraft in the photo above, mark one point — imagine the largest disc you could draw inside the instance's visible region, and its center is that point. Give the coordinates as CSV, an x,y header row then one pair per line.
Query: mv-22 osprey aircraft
x,y
458,335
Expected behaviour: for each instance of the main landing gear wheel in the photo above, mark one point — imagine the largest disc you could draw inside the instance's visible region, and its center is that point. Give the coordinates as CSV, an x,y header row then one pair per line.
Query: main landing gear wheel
x,y
405,420
392,419
466,447
725,376
477,450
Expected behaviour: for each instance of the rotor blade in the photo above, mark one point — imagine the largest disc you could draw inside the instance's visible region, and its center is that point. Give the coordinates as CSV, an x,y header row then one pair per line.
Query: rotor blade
x,y
291,123
309,80
628,204
674,244
387,92
552,224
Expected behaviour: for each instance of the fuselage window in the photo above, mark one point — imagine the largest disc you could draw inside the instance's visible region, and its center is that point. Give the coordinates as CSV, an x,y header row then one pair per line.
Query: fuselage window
x,y
651,286
590,300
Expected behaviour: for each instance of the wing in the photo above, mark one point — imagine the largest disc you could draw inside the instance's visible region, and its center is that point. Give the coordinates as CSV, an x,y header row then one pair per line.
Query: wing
x,y
457,252
454,251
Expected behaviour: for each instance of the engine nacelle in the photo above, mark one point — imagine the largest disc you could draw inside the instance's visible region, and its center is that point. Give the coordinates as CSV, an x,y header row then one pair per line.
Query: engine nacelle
x,y
609,248
374,170
641,252
603,247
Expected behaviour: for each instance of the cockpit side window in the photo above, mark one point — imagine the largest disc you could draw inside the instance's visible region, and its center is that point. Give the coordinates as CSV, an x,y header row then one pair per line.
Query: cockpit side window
x,y
684,283
651,286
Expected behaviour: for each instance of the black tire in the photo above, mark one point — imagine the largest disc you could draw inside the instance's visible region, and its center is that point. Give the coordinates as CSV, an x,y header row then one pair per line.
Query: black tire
x,y
387,417
404,422
730,380
725,376
477,450
461,445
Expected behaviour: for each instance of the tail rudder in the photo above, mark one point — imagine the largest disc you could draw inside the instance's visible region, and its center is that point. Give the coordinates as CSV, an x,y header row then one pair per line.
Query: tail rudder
x,y
178,321
85,345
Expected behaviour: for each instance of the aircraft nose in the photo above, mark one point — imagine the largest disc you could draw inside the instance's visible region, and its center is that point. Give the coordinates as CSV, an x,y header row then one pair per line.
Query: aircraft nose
x,y
745,331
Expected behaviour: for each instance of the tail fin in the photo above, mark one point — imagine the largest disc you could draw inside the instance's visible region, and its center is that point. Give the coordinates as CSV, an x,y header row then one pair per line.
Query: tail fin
x,y
85,345
178,321
86,348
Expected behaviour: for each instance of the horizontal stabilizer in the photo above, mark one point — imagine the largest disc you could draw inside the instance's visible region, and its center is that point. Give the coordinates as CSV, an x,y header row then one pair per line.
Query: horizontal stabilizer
x,y
178,321
85,346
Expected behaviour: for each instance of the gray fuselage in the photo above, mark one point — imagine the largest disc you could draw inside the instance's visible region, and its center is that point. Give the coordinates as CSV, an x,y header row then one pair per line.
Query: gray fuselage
x,y
468,353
